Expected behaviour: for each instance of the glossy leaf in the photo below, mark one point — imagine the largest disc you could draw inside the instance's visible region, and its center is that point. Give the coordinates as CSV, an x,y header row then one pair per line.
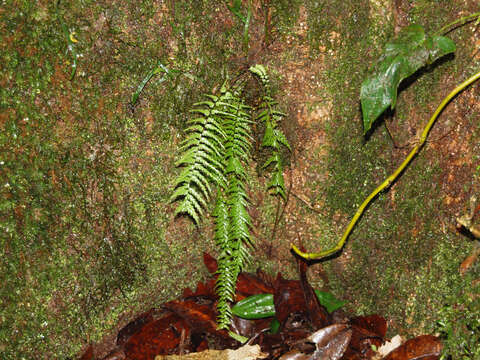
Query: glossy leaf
x,y
262,305
255,307
403,56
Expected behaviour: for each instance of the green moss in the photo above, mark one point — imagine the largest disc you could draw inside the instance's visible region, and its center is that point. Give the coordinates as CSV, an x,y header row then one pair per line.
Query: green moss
x,y
84,180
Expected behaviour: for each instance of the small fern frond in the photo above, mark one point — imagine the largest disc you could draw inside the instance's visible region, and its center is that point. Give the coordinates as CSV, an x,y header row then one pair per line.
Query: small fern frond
x,y
215,154
273,137
225,271
240,221
261,72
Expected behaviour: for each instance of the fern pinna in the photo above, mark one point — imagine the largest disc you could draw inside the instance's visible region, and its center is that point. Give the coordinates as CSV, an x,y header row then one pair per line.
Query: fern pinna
x,y
215,154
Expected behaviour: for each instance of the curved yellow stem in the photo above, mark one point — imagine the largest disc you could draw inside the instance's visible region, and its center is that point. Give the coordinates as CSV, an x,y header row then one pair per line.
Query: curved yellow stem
x,y
388,181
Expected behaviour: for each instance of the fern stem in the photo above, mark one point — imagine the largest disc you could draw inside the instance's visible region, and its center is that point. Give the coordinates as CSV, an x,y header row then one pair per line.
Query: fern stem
x,y
391,178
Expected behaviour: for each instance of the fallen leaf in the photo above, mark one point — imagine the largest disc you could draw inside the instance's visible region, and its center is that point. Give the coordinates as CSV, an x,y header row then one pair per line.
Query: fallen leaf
x,y
331,342
422,347
133,327
250,328
317,313
366,331
161,336
116,354
288,299
246,352
376,324
210,262
389,346
200,317
250,284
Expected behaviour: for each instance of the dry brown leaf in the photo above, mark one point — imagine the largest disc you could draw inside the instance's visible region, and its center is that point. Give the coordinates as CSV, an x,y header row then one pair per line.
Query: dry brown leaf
x,y
246,352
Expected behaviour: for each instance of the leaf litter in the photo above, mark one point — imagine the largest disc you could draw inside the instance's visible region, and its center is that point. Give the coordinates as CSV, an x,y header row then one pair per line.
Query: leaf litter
x,y
300,329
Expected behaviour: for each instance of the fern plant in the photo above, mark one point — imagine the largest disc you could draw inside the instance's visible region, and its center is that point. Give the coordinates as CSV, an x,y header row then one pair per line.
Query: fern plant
x,y
214,155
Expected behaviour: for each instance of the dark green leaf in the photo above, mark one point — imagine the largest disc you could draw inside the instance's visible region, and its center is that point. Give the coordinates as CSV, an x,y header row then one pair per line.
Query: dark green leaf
x,y
274,326
330,302
255,307
410,51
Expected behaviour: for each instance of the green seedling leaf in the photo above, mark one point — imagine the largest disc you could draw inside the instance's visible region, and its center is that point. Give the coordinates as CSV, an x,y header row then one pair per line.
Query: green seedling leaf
x,y
262,306
330,302
255,307
403,56
274,326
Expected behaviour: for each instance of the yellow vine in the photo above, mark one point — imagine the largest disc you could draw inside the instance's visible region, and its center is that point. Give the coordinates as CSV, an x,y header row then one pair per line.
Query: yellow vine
x,y
391,178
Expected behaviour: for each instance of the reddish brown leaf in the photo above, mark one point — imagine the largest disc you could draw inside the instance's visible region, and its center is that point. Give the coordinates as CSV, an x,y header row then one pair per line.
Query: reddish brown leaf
x,y
422,347
133,327
331,341
250,328
267,279
281,343
249,284
88,354
366,331
288,298
206,289
373,323
201,318
203,289
317,313
187,292
362,341
210,262
159,337
116,354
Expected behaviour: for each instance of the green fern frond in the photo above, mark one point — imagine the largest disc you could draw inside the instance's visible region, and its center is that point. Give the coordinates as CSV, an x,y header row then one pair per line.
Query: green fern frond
x,y
202,158
228,266
273,137
232,219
